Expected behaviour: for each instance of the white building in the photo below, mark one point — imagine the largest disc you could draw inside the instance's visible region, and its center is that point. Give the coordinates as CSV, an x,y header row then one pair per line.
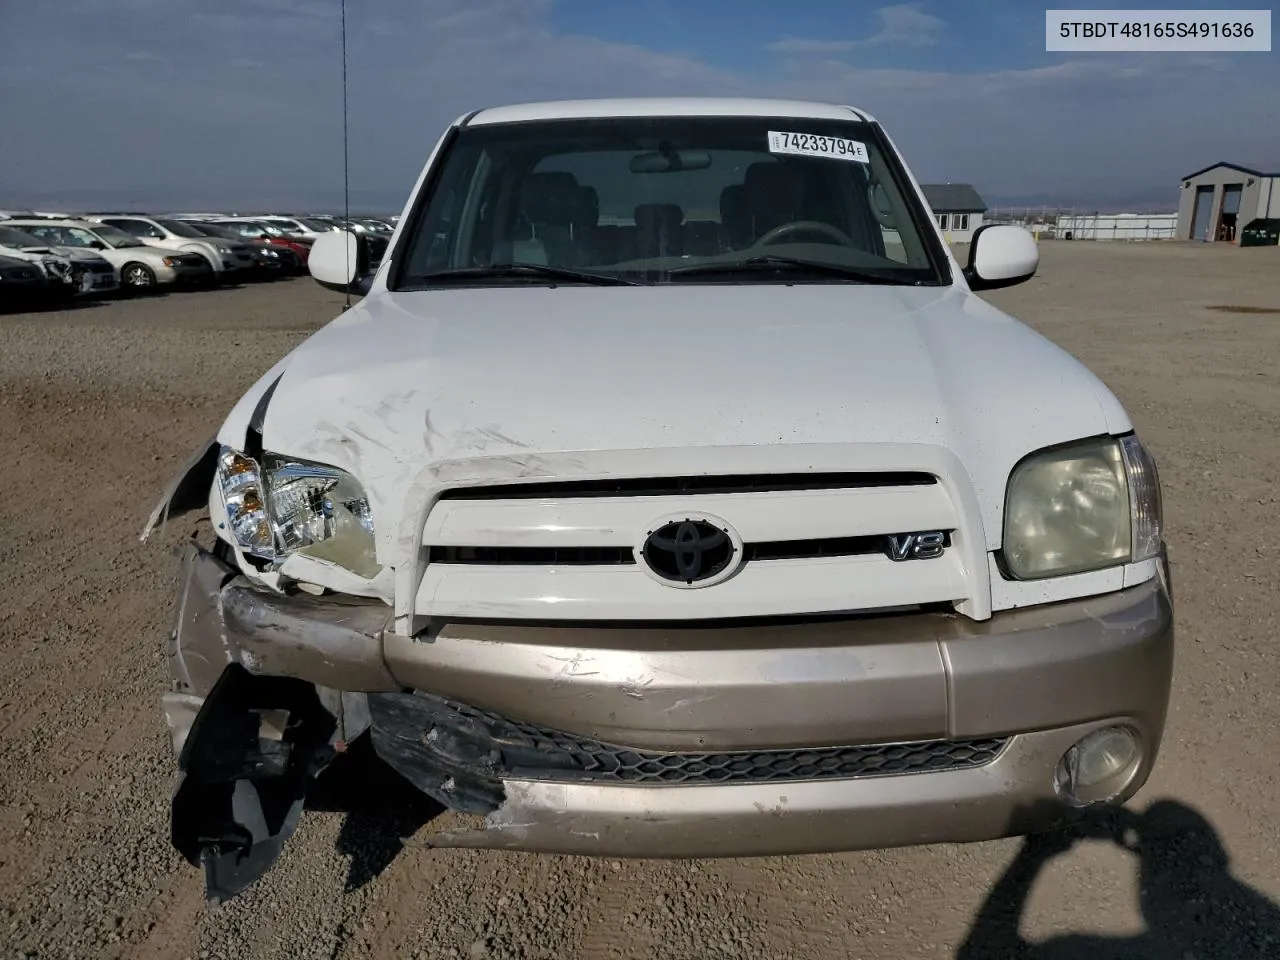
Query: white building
x,y
1117,226
957,208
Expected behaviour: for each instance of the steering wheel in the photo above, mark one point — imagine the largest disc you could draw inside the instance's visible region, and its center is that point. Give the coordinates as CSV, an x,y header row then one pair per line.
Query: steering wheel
x,y
800,226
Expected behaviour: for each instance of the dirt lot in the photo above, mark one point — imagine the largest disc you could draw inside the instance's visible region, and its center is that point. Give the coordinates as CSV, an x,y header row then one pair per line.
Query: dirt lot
x,y
99,405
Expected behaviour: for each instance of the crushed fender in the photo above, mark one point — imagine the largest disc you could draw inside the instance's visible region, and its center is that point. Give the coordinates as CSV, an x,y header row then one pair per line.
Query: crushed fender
x,y
188,490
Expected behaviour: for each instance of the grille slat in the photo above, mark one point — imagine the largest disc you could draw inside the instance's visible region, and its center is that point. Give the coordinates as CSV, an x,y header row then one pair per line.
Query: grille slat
x,y
602,556
534,752
682,486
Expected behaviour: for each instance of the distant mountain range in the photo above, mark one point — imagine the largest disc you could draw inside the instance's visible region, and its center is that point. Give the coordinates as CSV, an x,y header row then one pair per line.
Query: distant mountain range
x,y
382,202
178,199
1162,200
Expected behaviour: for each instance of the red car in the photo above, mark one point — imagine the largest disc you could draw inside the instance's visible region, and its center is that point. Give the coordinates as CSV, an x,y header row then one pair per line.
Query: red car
x,y
259,230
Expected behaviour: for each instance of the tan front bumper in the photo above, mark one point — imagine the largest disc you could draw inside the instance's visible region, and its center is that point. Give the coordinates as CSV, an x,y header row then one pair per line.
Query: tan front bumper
x,y
1041,677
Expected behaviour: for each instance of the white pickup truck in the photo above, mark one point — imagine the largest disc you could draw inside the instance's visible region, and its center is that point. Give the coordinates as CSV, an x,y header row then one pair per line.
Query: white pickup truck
x,y
669,493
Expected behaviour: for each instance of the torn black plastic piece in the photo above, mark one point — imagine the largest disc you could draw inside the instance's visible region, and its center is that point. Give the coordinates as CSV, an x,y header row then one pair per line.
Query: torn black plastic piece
x,y
252,751
451,758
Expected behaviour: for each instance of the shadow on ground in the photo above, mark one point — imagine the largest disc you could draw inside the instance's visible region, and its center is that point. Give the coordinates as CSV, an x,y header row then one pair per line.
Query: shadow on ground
x,y
1192,907
381,807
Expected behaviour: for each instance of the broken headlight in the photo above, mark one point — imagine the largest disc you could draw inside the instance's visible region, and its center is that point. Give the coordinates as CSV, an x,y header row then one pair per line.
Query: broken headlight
x,y
321,512
1082,507
280,507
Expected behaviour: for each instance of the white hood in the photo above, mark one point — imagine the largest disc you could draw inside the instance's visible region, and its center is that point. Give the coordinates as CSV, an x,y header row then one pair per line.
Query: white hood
x,y
404,382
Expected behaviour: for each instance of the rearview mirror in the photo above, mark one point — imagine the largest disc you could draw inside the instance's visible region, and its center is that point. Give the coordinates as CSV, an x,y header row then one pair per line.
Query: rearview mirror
x,y
1001,255
340,261
658,161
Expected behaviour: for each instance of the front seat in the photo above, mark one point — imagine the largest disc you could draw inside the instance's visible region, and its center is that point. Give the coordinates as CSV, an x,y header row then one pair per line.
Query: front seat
x,y
773,194
550,206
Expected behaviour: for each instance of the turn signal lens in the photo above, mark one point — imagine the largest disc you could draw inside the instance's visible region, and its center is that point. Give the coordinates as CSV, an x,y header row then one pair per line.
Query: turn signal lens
x,y
240,482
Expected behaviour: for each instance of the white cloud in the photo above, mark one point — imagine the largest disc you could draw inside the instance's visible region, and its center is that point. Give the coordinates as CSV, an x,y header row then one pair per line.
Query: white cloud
x,y
801,46
901,25
905,24
1108,121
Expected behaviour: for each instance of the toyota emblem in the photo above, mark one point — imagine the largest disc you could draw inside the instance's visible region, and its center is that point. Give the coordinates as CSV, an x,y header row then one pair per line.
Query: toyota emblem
x,y
690,551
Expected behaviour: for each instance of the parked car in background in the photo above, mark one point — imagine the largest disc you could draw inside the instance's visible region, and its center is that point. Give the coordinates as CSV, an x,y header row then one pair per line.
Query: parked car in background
x,y
376,237
253,229
296,227
70,271
269,259
142,268
229,258
22,285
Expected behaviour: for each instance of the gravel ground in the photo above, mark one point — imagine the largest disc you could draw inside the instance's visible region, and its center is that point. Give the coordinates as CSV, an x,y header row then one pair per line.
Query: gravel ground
x,y
100,404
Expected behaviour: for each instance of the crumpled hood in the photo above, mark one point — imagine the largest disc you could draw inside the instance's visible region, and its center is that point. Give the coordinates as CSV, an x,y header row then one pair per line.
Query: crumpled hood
x,y
77,254
404,382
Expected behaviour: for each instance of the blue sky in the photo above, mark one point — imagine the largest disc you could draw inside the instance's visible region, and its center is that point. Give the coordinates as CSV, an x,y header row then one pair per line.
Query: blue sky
x,y
236,103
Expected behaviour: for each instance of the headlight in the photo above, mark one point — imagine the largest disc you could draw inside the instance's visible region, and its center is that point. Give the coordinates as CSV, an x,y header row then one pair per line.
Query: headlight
x,y
240,482
223,249
1082,507
281,507
172,261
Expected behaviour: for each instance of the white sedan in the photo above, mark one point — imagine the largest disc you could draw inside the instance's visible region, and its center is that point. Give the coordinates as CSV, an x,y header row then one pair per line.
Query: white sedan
x,y
141,267
230,259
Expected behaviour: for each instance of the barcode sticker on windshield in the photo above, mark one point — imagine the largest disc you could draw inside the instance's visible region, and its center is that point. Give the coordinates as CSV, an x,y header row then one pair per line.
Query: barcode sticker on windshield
x,y
811,145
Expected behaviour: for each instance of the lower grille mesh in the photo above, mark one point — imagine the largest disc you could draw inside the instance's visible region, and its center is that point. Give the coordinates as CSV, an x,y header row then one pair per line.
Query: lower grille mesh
x,y
533,752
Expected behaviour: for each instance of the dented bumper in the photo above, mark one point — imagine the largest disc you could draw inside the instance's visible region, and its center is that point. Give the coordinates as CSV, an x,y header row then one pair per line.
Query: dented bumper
x,y
704,740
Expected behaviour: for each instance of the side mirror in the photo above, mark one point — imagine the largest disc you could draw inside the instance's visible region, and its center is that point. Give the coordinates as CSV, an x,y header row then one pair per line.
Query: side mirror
x,y
97,245
1001,255
340,261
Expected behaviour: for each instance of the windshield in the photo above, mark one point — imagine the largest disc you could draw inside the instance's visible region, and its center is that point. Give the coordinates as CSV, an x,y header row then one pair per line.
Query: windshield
x,y
113,236
649,199
10,237
181,229
214,230
318,225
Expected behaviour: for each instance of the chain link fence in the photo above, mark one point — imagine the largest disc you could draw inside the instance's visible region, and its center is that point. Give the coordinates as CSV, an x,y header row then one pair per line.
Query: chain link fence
x,y
1071,223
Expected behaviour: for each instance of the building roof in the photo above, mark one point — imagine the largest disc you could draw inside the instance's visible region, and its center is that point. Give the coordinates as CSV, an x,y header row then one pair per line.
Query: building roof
x,y
1234,166
668,107
953,198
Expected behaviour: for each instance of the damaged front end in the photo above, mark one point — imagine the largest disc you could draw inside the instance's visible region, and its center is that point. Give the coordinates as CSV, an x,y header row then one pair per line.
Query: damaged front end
x,y
260,703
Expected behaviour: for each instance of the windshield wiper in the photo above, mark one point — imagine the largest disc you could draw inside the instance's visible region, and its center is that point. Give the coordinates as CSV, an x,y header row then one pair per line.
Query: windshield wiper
x,y
500,270
787,264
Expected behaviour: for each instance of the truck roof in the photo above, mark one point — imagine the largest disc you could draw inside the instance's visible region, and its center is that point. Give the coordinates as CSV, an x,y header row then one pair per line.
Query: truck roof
x,y
666,107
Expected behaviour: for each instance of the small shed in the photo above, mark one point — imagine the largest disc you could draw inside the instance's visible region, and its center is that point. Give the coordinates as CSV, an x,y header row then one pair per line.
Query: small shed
x,y
1219,200
957,208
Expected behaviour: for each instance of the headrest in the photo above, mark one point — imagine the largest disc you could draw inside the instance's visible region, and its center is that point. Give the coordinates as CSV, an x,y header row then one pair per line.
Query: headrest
x,y
779,182
552,197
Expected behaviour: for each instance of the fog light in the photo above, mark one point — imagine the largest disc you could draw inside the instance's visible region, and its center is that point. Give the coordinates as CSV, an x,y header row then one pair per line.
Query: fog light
x,y
1099,767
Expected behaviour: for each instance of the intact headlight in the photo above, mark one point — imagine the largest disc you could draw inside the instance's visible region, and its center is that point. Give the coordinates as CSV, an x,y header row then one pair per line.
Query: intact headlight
x,y
281,507
1082,507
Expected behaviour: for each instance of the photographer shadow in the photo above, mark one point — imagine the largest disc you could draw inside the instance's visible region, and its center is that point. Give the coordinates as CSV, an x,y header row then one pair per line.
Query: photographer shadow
x,y
1191,905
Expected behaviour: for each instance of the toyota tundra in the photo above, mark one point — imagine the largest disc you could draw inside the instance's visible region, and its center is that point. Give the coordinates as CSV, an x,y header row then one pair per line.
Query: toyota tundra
x,y
669,491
